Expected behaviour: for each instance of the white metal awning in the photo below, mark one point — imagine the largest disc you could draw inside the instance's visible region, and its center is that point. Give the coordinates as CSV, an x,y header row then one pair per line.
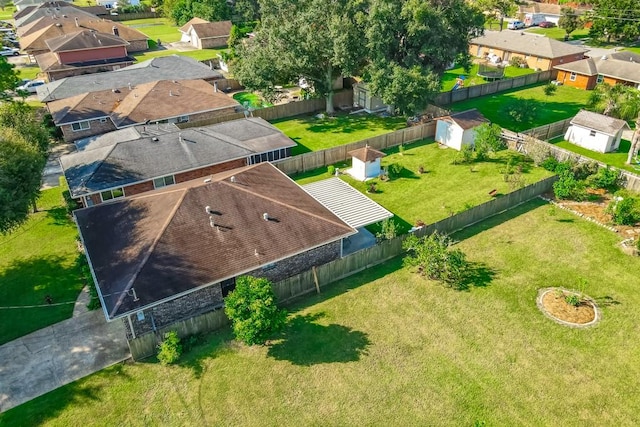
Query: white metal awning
x,y
350,205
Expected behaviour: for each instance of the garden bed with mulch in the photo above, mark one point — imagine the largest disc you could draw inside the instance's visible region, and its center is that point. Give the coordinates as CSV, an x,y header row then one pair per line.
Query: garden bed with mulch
x,y
553,303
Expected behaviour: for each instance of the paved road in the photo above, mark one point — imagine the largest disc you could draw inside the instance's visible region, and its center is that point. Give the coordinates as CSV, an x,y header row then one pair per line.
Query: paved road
x,y
57,355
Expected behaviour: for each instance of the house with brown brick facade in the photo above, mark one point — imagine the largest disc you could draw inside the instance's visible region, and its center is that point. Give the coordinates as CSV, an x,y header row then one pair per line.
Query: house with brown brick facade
x,y
617,68
174,253
203,34
172,67
136,160
83,52
538,52
164,101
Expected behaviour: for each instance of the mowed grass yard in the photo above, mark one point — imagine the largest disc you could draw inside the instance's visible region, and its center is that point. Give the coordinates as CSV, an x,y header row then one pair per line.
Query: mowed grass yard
x,y
387,347
472,79
444,189
314,134
617,158
36,260
156,28
564,103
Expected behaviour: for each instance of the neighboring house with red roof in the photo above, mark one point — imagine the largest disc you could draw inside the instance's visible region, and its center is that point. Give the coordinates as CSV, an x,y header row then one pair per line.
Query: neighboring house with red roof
x,y
203,34
178,250
618,68
139,159
539,52
83,52
164,101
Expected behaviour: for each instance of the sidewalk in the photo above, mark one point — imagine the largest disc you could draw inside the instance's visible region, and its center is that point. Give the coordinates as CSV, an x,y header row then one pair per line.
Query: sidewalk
x,y
52,170
57,355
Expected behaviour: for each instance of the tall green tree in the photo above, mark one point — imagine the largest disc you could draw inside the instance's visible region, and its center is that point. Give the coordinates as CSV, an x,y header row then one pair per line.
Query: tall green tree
x,y
319,40
9,79
246,10
498,9
182,11
21,166
615,19
19,116
569,20
410,43
619,101
635,142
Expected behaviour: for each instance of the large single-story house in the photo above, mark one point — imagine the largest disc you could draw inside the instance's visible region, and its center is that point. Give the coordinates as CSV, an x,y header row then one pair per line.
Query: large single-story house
x,y
172,67
178,101
53,10
34,37
618,68
539,52
83,52
136,160
174,253
457,130
203,34
595,131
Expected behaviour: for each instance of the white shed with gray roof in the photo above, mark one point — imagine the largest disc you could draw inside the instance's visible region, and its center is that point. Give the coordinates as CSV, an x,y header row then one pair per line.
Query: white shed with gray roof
x,y
595,131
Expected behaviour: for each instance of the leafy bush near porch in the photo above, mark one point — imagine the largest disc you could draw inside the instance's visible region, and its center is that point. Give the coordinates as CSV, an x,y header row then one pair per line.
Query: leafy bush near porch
x,y
253,312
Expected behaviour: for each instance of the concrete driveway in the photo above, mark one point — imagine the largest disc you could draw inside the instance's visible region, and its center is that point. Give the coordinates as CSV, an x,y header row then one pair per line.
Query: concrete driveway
x,y
57,355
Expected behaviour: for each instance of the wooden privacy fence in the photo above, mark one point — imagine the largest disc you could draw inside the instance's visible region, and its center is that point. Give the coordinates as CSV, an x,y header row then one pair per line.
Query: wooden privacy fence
x,y
462,94
281,111
301,284
131,16
316,159
550,131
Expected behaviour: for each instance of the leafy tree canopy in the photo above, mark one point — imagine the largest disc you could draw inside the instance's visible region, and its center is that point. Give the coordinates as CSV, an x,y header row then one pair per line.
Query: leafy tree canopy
x,y
19,116
21,166
252,309
410,44
569,20
499,9
619,101
615,19
182,11
319,40
9,79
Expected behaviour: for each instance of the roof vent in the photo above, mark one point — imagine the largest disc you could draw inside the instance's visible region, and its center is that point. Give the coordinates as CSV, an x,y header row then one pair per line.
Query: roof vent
x,y
212,223
129,86
255,252
170,93
58,24
265,216
233,178
208,180
604,57
155,139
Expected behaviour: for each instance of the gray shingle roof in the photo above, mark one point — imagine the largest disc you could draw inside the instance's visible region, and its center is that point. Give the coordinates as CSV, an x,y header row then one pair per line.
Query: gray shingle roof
x,y
171,67
47,10
100,166
621,70
599,122
520,42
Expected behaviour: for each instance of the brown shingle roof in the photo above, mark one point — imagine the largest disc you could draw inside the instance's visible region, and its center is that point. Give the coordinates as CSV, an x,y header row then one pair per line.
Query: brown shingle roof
x,y
366,154
468,119
621,70
82,40
520,42
188,25
152,101
165,247
599,122
212,30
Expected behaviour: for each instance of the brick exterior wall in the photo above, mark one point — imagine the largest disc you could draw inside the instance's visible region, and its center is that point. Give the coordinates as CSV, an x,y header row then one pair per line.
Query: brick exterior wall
x,y
581,81
95,128
141,187
210,298
209,170
138,45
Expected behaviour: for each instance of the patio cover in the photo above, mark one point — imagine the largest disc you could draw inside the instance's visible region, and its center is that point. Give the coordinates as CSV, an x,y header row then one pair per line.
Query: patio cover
x,y
346,202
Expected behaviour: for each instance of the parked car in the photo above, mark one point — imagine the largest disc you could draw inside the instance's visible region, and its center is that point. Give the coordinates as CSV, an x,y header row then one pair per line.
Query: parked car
x,y
515,25
546,24
30,85
9,51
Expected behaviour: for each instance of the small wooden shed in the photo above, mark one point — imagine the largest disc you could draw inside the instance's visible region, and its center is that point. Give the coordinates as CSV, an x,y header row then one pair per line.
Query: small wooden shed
x,y
364,98
365,163
595,131
458,129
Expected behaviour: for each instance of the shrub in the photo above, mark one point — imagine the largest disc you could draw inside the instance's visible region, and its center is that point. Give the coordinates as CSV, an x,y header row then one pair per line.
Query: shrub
x,y
331,170
394,170
572,299
465,155
606,178
401,149
488,139
372,188
436,260
521,111
624,210
584,170
549,89
253,312
518,61
169,350
388,230
538,152
550,164
568,187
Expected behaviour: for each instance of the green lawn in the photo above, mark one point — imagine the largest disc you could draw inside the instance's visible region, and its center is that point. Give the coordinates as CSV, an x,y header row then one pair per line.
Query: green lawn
x,y
313,134
445,188
200,54
558,33
156,28
472,79
6,14
36,260
28,72
565,103
253,100
386,347
616,159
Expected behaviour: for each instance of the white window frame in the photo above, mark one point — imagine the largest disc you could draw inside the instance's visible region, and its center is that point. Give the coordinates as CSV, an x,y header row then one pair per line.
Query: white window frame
x,y
600,78
157,184
592,133
80,126
120,189
573,77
